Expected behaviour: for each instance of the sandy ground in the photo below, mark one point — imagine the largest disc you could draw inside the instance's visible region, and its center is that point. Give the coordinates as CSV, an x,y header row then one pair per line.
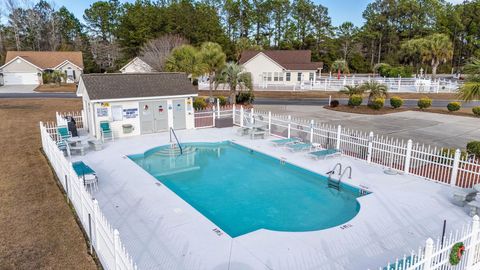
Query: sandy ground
x,y
37,228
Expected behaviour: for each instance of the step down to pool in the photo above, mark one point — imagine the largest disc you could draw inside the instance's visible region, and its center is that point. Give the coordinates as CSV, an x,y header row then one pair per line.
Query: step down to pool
x,y
333,184
170,152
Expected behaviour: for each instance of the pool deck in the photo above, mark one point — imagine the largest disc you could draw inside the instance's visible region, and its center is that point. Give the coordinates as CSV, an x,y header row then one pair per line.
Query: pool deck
x,y
161,231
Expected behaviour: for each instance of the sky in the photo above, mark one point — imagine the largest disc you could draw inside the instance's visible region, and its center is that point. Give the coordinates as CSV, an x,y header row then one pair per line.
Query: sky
x,y
339,10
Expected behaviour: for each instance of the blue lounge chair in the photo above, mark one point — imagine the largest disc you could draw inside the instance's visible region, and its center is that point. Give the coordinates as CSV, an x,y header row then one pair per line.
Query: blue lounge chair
x,y
296,147
323,154
283,142
90,179
106,131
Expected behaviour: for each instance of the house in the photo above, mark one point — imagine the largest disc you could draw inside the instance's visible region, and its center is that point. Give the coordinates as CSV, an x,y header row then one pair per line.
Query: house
x,y
138,65
137,103
281,67
27,67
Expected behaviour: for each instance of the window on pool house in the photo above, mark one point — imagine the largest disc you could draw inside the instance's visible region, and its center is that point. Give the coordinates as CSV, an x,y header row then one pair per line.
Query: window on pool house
x,y
310,76
287,76
299,76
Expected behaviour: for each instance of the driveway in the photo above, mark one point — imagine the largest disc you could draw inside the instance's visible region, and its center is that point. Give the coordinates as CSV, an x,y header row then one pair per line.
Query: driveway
x,y
429,128
17,89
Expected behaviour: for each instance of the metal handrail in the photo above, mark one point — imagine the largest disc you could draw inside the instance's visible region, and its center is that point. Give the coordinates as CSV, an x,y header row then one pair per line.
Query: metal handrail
x,y
178,142
349,175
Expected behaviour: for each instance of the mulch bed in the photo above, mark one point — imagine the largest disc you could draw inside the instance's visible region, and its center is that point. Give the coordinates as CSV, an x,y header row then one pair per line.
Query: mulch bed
x,y
363,109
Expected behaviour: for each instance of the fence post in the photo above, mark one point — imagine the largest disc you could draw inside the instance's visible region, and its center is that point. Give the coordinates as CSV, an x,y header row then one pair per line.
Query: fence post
x,y
95,227
241,115
116,241
269,122
213,116
428,254
251,116
370,147
456,162
339,134
289,126
311,130
473,242
84,120
218,108
408,157
233,113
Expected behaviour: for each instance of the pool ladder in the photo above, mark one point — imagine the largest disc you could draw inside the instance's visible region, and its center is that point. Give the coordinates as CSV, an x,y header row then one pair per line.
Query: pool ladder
x,y
335,184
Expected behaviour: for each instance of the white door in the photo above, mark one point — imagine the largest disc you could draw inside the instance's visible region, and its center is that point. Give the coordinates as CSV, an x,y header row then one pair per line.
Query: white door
x,y
15,78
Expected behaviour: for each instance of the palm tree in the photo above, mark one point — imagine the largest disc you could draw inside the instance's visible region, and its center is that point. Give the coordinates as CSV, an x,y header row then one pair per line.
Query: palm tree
x,y
375,90
340,66
471,89
351,90
436,49
235,76
213,59
186,59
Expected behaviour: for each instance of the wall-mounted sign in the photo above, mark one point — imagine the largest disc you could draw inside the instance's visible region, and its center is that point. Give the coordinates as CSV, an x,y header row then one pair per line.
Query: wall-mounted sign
x,y
105,104
102,112
130,113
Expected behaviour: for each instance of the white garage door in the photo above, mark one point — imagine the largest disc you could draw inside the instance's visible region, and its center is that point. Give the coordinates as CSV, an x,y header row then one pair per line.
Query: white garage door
x,y
20,78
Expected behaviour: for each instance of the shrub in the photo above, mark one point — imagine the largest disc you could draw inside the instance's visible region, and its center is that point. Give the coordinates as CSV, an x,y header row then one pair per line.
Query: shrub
x,y
222,100
377,103
334,103
396,102
199,103
355,100
385,70
454,106
473,148
424,103
476,111
245,97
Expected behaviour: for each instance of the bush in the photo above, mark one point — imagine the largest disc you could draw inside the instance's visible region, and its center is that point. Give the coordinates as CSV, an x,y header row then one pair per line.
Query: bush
x,y
334,103
222,100
385,70
454,106
245,97
473,148
377,103
476,111
424,103
355,100
199,103
396,102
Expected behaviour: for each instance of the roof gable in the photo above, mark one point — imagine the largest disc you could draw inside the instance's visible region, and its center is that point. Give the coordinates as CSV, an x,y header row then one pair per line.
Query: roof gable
x,y
47,59
288,59
137,61
137,85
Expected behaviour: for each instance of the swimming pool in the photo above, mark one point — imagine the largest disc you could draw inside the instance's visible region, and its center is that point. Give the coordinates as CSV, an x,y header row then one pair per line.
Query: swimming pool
x,y
242,190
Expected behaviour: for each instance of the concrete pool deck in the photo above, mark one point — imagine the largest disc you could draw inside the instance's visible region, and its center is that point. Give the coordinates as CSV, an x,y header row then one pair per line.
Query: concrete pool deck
x,y
160,230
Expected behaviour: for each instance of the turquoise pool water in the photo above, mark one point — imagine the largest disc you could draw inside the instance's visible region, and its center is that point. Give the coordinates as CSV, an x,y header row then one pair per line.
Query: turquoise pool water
x,y
241,190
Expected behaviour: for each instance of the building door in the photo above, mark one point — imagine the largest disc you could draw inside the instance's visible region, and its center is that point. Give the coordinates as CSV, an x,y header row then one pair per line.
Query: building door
x,y
160,116
179,114
146,117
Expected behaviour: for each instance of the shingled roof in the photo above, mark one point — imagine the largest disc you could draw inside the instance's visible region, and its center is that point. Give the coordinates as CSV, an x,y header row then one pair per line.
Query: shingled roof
x,y
136,85
288,59
47,59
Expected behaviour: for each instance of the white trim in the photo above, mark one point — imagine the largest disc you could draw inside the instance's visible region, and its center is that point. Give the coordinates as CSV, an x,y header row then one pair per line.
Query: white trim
x,y
65,62
133,60
275,62
143,98
19,57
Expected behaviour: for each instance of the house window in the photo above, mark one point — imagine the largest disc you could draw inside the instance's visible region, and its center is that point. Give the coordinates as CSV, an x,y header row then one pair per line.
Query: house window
x,y
280,76
269,77
287,76
74,75
310,76
264,76
299,76
275,77
117,113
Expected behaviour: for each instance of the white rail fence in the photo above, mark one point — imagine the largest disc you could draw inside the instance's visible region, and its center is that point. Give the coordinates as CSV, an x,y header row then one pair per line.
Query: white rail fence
x,y
77,116
444,166
102,237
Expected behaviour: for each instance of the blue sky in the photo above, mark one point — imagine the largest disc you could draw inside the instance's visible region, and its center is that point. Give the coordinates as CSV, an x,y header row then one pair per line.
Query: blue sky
x,y
339,10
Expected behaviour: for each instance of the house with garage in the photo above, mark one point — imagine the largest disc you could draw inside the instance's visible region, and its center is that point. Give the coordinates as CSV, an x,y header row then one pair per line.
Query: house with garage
x,y
27,67
132,104
138,65
281,67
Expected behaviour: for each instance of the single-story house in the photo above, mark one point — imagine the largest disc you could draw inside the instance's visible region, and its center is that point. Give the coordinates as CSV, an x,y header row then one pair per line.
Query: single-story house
x,y
27,67
284,67
137,103
138,65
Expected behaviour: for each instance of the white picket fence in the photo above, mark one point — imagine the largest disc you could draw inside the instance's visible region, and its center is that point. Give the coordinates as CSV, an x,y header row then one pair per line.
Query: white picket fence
x,y
77,116
102,237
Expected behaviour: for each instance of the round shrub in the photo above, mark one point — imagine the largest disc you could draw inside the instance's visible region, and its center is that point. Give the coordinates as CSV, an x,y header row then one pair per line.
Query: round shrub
x,y
473,148
377,103
355,100
222,100
396,102
245,97
424,103
334,103
454,106
476,111
199,103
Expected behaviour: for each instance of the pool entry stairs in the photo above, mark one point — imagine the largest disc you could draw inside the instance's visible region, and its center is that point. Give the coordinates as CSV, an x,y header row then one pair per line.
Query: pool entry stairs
x,y
335,183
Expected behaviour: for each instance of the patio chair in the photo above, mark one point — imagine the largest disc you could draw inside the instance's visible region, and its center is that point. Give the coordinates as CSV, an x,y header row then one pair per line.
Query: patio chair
x,y
89,176
258,133
283,142
464,196
106,131
297,147
63,132
325,153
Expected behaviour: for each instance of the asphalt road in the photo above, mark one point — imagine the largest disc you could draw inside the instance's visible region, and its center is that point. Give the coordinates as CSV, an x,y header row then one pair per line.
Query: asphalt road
x,y
324,101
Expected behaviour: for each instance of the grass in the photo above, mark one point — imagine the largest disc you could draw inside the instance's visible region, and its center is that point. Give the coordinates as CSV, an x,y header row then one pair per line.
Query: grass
x,y
37,228
53,88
